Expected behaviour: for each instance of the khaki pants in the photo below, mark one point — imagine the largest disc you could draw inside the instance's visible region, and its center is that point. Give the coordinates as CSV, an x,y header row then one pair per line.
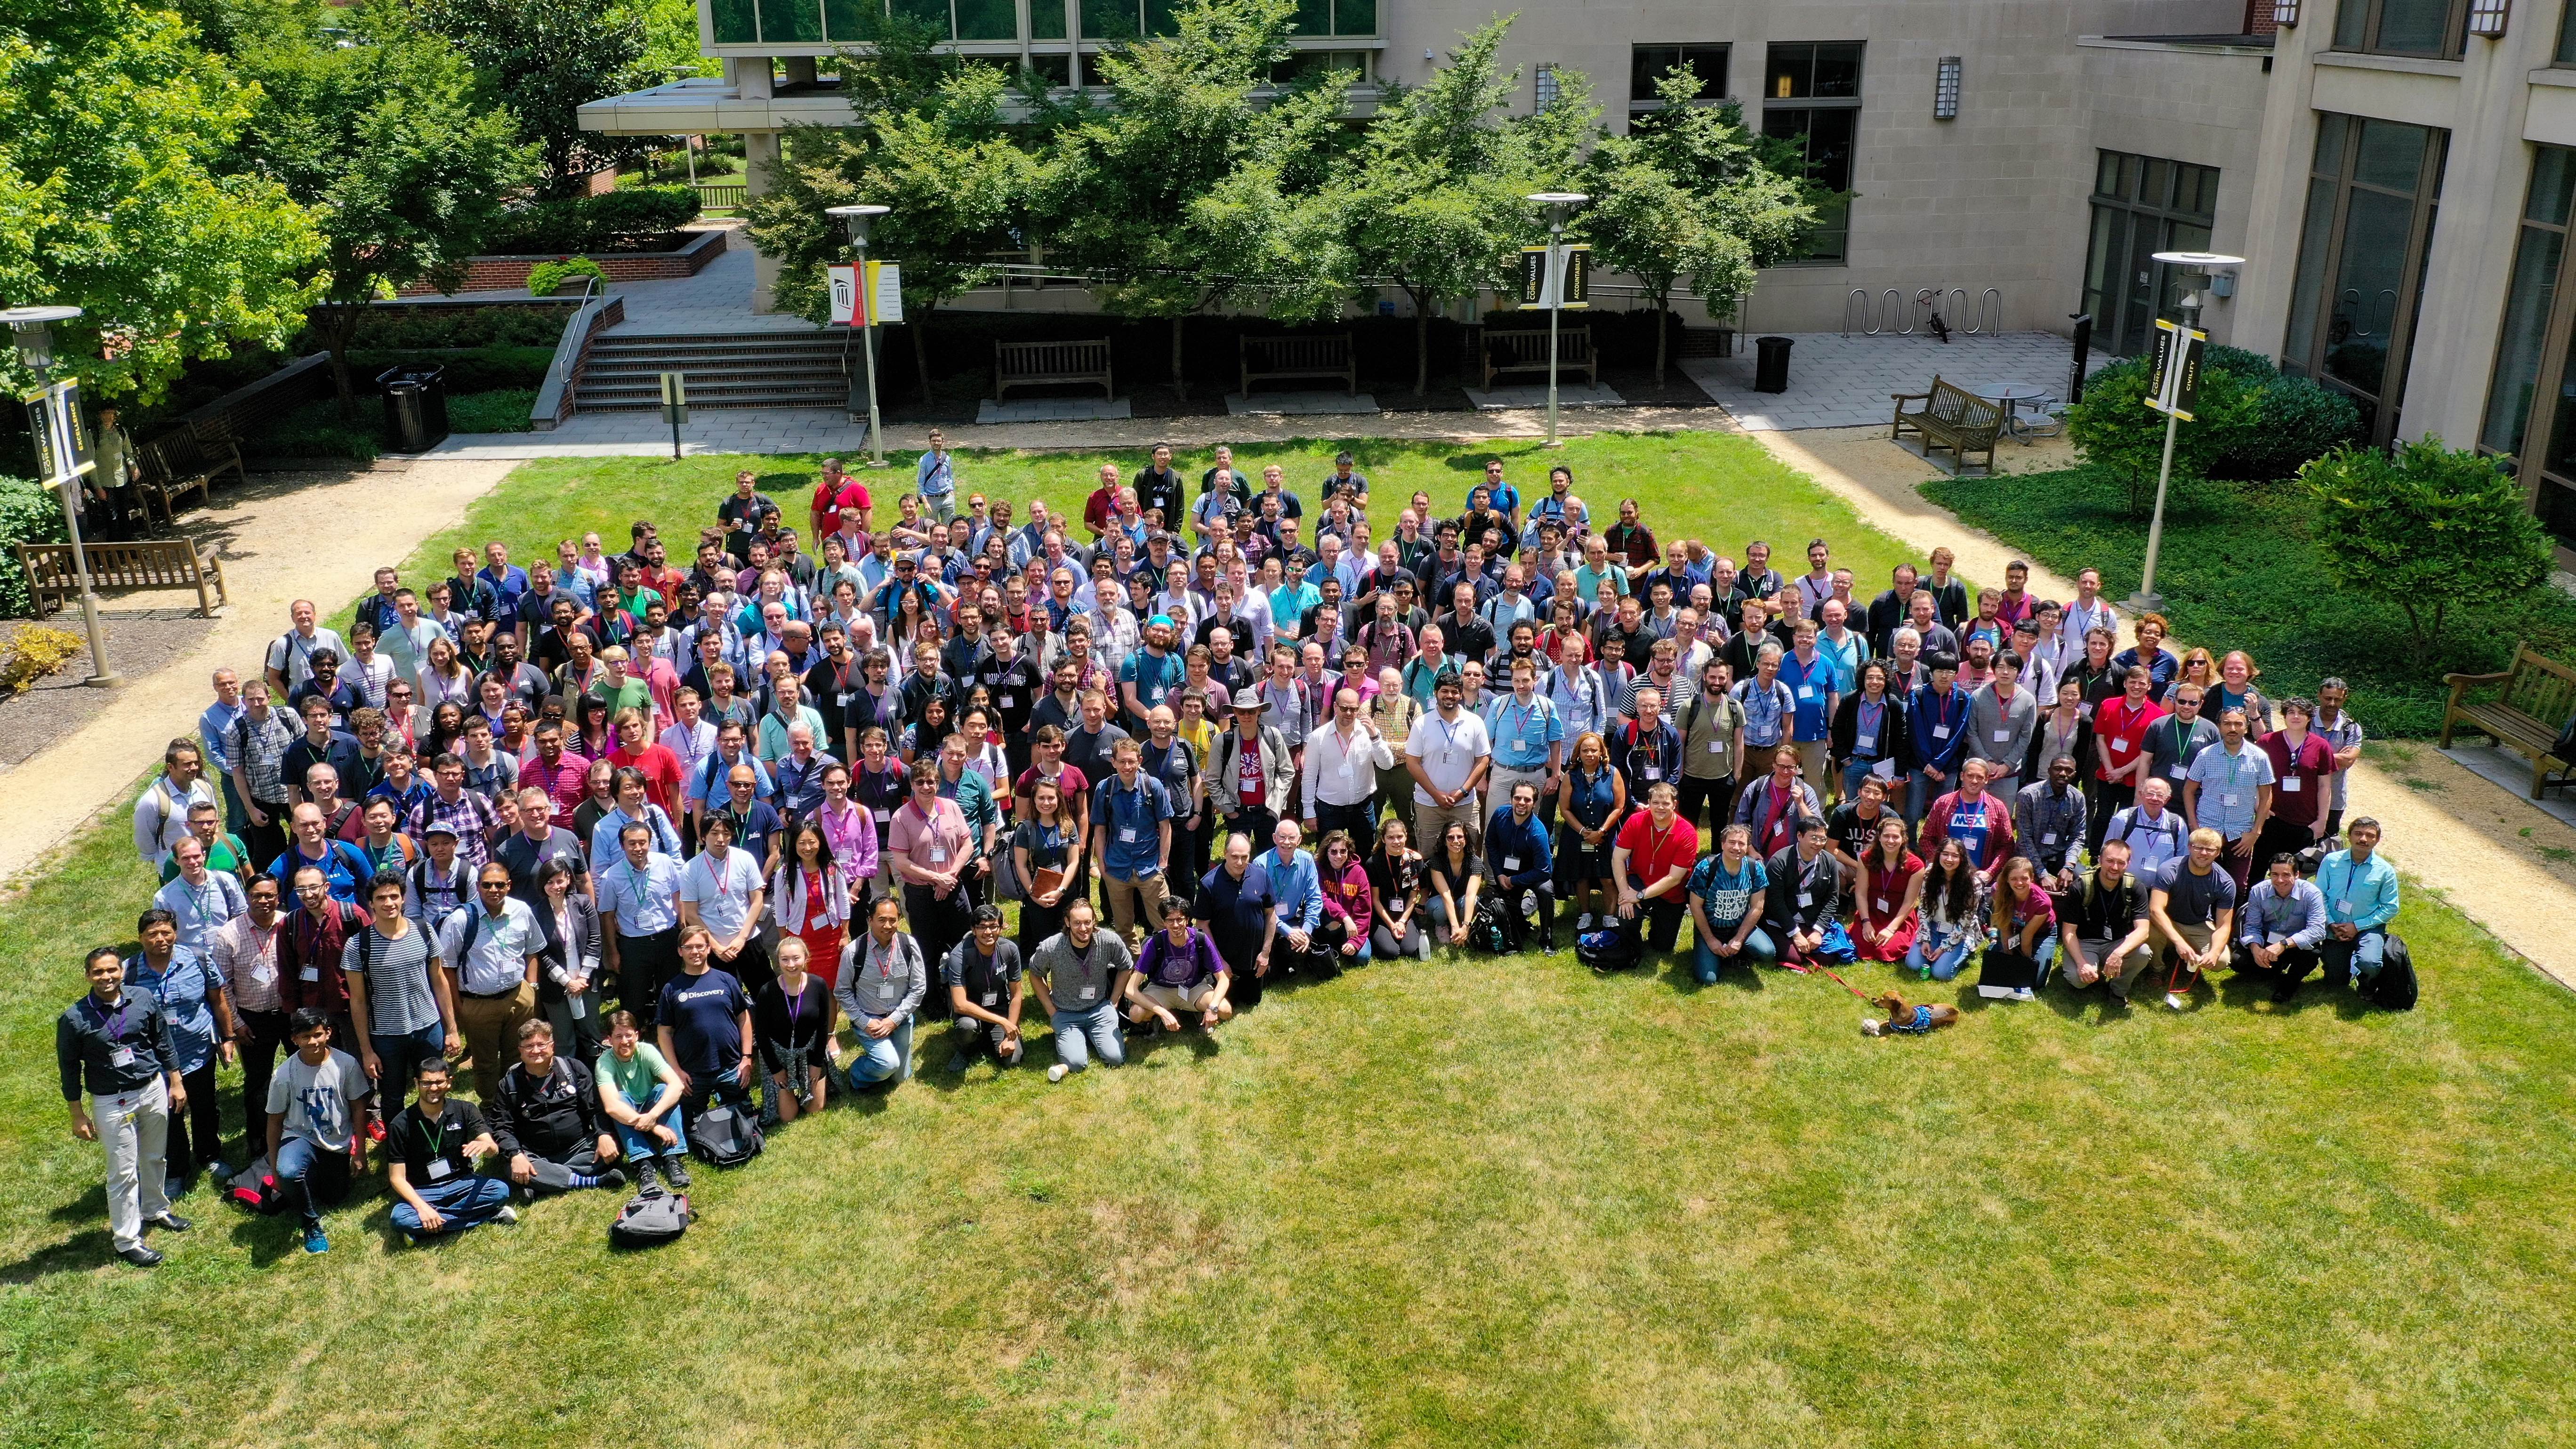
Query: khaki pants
x,y
1432,821
1131,901
2198,936
2121,974
134,1129
1498,787
1178,999
490,1026
1815,765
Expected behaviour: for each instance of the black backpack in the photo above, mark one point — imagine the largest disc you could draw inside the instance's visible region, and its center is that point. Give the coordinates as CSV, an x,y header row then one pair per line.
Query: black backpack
x,y
724,1136
2393,987
650,1221
1612,948
1490,930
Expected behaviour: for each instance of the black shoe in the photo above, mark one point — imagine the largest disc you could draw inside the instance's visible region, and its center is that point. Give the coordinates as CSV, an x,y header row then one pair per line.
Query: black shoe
x,y
140,1257
676,1172
613,1177
169,1222
2282,994
648,1182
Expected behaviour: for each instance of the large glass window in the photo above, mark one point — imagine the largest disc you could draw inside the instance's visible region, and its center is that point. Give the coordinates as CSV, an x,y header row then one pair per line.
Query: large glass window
x,y
1811,97
1649,64
2372,189
2142,205
2402,27
2531,412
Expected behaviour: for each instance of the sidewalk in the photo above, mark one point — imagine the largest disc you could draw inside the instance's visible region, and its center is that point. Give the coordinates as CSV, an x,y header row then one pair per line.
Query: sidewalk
x,y
285,537
2489,852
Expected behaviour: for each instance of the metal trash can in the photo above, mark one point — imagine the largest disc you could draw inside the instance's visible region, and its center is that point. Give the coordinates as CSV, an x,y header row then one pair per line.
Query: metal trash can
x,y
415,407
1771,364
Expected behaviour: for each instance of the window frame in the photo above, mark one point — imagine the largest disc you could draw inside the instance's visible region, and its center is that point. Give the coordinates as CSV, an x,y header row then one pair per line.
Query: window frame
x,y
2109,303
1839,224
2383,408
1648,103
2369,18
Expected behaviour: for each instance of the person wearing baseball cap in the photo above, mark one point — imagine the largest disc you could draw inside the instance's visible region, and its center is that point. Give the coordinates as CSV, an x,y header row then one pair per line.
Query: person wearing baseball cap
x,y
1150,673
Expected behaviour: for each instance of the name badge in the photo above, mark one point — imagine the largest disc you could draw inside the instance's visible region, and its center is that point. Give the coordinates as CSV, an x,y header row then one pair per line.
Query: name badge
x,y
2344,906
2003,737
939,855
580,1008
1127,835
1882,903
1086,993
439,1169
1806,898
1717,747
1007,701
1654,772
1940,732
309,973
1806,691
1511,862
2178,770
882,815
2119,746
120,1056
2290,784
2226,799
2048,840
992,998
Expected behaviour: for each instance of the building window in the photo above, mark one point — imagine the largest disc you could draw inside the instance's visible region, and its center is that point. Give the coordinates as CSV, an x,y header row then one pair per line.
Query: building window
x,y
1649,64
2141,206
2402,27
2372,189
2536,352
2566,52
1811,97
837,22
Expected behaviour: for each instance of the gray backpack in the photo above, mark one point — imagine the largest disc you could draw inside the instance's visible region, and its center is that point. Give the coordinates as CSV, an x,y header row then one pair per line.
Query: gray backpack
x,y
647,1222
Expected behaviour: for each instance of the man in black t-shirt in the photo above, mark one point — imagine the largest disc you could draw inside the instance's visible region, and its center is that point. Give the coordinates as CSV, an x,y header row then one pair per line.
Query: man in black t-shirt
x,y
431,1146
546,1120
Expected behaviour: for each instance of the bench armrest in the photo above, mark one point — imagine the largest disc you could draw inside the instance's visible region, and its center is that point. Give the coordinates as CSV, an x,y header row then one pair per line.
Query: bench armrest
x,y
1908,396
2465,679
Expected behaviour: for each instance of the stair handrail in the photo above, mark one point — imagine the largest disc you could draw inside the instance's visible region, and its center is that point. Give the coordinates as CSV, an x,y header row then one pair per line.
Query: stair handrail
x,y
555,395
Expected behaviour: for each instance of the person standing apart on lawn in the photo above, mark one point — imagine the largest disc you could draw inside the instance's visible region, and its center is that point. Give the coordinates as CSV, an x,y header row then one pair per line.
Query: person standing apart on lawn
x,y
431,1148
2193,904
936,478
116,1046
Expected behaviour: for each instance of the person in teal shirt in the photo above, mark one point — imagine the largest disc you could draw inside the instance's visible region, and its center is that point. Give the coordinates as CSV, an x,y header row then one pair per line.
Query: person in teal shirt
x,y
2360,889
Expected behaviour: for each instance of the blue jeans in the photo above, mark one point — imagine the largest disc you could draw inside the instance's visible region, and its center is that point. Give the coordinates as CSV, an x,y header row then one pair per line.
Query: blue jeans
x,y
639,1143
1758,947
885,1058
465,1202
396,1056
1090,1031
316,1172
1921,790
2363,953
1944,963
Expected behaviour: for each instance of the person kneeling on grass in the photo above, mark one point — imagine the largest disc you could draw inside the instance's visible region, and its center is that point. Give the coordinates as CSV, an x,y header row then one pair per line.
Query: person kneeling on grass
x,y
1652,861
431,1146
641,1095
792,1017
2193,903
1806,898
883,979
547,1121
1080,975
987,989
1726,897
2104,926
2283,923
1181,971
314,1145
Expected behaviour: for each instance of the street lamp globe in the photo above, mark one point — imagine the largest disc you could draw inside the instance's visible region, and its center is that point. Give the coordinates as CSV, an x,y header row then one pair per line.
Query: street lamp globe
x,y
856,219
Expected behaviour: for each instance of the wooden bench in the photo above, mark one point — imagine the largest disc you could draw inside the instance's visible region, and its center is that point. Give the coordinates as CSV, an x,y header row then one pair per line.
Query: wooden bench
x,y
217,450
152,563
1044,364
1526,351
2537,696
1951,417
170,473
1267,359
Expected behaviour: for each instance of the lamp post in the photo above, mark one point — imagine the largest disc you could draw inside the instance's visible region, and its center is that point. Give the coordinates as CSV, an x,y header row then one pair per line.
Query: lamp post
x,y
1558,203
856,218
2194,273
32,329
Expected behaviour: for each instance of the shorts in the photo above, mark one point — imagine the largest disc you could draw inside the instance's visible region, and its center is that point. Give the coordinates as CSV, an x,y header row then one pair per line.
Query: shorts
x,y
1182,998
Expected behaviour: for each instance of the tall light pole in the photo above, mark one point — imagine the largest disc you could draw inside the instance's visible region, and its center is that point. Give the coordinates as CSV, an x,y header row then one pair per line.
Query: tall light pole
x,y
2195,271
33,330
856,218
1558,203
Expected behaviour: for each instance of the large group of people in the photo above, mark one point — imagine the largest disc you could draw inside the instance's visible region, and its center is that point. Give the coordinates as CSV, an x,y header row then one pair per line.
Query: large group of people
x,y
715,822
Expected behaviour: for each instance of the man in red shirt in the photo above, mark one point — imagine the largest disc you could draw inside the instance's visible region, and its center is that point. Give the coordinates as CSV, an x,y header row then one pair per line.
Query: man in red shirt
x,y
563,775
1099,509
2119,742
2302,766
837,494
1651,859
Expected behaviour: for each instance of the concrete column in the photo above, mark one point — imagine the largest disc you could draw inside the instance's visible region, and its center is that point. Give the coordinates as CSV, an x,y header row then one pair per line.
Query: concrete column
x,y
752,77
760,152
798,70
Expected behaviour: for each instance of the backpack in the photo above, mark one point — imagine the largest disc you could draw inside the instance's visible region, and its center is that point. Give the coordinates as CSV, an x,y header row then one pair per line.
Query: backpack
x,y
724,1136
1490,930
1613,948
647,1222
2393,988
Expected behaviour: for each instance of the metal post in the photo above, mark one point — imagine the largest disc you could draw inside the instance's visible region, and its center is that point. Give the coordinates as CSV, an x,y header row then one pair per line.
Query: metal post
x,y
35,344
876,426
1555,305
2146,599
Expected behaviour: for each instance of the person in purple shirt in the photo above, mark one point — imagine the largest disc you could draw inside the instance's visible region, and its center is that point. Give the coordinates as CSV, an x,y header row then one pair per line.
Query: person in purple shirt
x,y
1179,971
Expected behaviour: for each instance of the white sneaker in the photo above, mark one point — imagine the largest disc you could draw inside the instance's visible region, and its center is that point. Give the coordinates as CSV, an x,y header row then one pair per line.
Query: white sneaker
x,y
1057,1072
1584,924
2172,1002
2024,993
507,1214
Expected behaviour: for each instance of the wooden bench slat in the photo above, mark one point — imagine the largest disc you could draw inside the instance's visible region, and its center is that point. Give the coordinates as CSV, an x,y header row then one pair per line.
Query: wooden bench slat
x,y
1327,355
2533,698
1525,350
1035,364
149,563
1950,417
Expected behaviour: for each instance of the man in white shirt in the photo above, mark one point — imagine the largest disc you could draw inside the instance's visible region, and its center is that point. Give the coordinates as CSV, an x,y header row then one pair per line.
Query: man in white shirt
x,y
290,655
490,948
161,815
1342,761
2087,611
1448,755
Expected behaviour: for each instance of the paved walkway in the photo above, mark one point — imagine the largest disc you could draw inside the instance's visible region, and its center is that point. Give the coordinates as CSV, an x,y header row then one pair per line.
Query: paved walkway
x,y
2508,866
1838,381
273,533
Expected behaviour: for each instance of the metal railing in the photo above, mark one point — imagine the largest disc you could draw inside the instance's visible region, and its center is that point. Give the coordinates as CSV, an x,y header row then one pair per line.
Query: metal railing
x,y
598,311
1892,313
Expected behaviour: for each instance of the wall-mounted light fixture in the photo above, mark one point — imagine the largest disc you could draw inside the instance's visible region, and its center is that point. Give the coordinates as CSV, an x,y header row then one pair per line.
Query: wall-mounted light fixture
x,y
2285,13
2487,17
1945,90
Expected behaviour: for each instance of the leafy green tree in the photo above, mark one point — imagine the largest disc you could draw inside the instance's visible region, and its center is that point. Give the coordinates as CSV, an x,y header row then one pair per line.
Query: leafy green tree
x,y
2423,527
113,199
1434,195
385,139
929,143
2114,428
1686,193
543,60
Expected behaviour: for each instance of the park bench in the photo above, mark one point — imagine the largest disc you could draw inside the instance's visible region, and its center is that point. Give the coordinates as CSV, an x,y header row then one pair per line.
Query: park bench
x,y
152,563
1269,359
1526,351
1951,417
1041,364
188,460
2537,696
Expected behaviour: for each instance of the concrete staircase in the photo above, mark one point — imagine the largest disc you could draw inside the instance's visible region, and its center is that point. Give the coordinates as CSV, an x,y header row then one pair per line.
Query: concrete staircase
x,y
800,369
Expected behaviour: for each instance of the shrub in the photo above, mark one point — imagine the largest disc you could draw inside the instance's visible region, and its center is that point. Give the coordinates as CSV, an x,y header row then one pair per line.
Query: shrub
x,y
37,651
632,219
2115,429
547,278
526,324
315,431
2297,420
468,370
29,513
503,411
2422,527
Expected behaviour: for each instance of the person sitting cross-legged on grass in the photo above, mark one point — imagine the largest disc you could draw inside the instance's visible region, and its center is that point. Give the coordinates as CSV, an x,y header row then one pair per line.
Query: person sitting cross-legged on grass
x,y
640,1093
547,1122
1727,891
314,1145
1080,975
432,1146
1180,971
1946,895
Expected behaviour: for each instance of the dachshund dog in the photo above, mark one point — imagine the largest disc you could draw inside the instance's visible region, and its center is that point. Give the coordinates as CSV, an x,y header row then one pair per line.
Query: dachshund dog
x,y
1907,1020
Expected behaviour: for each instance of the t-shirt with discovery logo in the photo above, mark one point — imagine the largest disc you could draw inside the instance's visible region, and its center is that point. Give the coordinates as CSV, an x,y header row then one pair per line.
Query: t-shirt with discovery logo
x,y
704,1013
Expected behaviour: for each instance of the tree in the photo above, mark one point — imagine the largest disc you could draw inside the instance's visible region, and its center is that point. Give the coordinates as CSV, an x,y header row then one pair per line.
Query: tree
x,y
2114,428
1686,194
112,198
543,60
2423,527
1434,196
387,142
1186,190
930,144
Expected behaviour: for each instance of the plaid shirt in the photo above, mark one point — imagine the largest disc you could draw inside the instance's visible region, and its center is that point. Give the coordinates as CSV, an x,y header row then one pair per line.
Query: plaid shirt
x,y
260,746
470,815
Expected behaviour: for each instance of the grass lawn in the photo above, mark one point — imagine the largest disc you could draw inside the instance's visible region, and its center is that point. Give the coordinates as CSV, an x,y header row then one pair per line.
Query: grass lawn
x,y
1465,1202
2238,571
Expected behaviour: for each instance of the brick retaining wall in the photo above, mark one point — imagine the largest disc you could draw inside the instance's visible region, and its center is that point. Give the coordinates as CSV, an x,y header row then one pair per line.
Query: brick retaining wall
x,y
510,273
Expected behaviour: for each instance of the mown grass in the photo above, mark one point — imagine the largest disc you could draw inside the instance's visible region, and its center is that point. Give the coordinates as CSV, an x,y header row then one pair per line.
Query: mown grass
x,y
1466,1202
2239,571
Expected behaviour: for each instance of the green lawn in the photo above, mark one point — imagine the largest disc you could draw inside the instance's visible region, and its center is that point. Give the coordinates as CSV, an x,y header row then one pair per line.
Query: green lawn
x,y
2238,571
1465,1202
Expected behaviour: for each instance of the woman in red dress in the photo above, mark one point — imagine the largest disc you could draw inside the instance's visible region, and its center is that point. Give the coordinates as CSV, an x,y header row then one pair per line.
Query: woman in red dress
x,y
812,899
1883,927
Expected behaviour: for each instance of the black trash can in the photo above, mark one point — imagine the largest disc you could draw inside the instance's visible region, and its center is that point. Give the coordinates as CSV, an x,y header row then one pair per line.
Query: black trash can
x,y
1771,364
415,407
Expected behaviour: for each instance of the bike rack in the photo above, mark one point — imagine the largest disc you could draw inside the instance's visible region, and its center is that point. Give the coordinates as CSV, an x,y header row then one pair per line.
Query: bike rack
x,y
1984,312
